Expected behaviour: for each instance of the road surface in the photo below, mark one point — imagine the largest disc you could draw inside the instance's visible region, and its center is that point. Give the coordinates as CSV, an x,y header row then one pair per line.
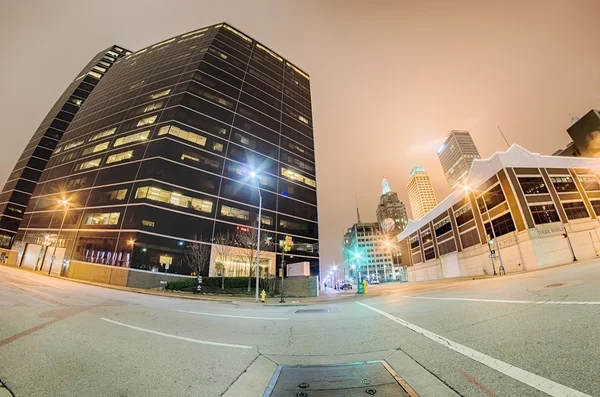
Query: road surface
x,y
532,334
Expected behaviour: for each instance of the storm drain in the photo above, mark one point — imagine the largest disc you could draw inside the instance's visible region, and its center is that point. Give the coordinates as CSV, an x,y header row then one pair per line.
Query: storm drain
x,y
327,310
372,378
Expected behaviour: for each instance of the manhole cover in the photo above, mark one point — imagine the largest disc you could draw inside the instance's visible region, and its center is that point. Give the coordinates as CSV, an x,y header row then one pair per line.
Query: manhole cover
x,y
554,285
313,311
346,380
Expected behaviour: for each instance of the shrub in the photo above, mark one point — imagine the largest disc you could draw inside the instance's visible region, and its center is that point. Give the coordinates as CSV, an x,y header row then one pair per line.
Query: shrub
x,y
181,285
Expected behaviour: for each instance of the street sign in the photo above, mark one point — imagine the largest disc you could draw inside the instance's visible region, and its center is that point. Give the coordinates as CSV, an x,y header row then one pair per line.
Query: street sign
x,y
199,286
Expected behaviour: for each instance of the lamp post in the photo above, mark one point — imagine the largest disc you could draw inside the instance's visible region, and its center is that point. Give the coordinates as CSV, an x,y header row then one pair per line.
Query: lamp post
x,y
334,267
66,204
253,175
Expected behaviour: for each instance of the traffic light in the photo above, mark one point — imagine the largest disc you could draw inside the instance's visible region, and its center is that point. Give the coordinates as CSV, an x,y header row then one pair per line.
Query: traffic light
x,y
490,240
564,235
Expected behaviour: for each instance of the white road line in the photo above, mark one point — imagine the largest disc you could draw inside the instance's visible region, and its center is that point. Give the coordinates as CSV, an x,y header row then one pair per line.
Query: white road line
x,y
505,301
203,342
231,316
530,379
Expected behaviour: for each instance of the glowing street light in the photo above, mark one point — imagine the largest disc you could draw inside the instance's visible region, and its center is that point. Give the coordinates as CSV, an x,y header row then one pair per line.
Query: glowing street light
x,y
65,203
253,175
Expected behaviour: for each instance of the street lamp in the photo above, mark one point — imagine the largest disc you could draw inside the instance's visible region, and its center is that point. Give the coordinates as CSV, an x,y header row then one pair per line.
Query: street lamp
x,y
467,188
66,204
253,175
334,267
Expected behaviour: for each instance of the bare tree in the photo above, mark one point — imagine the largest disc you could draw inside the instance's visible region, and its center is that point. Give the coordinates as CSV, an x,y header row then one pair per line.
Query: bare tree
x,y
197,255
220,269
248,240
224,245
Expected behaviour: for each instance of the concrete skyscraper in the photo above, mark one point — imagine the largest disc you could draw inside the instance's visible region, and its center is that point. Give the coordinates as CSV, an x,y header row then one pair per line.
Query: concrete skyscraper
x,y
420,193
390,207
457,155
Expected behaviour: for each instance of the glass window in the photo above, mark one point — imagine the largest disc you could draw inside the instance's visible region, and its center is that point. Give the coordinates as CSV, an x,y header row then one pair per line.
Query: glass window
x,y
596,206
533,185
426,236
469,238
147,121
429,254
138,136
76,183
71,145
153,106
502,225
290,174
94,74
575,210
200,159
160,94
545,213
117,194
95,149
446,247
88,164
102,134
183,134
463,215
106,218
589,183
563,184
234,212
442,227
493,197
218,147
296,226
232,30
174,198
115,158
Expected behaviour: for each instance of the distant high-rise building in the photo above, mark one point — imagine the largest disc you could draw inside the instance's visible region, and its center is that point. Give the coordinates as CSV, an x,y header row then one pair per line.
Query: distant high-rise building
x,y
569,151
457,155
365,252
420,193
585,133
390,207
23,179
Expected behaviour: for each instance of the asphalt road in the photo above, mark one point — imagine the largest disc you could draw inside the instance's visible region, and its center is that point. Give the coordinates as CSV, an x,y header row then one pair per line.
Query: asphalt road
x,y
522,335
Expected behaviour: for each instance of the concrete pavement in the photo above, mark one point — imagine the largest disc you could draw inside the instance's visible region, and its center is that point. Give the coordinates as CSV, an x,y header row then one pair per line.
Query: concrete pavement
x,y
63,338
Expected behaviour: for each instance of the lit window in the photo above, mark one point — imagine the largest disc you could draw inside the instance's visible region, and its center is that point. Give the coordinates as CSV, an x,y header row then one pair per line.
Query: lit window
x,y
112,54
94,74
265,49
75,183
200,159
183,134
58,149
95,149
163,43
147,121
117,194
152,107
73,144
103,63
218,147
88,164
139,136
99,69
115,158
106,218
234,212
76,101
137,85
232,30
300,72
303,119
193,33
160,94
297,177
103,134
174,198
80,77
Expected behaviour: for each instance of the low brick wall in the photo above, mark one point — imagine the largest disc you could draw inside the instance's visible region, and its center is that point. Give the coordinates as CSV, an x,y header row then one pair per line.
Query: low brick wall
x,y
121,276
301,287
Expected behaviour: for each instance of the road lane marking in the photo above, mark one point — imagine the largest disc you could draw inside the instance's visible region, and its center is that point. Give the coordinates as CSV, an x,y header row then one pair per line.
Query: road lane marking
x,y
530,379
202,342
505,301
231,316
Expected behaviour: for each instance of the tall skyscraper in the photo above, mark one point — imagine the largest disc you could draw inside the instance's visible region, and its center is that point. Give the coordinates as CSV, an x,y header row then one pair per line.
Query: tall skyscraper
x,y
365,251
25,175
390,207
420,193
457,155
174,147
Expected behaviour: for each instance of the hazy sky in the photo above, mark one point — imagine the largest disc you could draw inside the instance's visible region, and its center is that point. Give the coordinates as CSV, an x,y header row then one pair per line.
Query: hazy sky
x,y
389,79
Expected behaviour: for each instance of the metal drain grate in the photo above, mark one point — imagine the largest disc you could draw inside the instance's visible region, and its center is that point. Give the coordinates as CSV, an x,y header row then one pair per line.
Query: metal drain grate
x,y
327,310
349,380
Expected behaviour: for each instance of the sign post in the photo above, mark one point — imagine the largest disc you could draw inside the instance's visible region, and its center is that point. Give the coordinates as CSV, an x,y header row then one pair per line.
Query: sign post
x,y
287,246
199,285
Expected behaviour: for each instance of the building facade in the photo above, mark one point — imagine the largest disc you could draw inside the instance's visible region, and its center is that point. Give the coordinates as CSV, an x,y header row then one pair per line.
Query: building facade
x,y
421,195
174,147
544,211
456,156
26,174
367,254
390,207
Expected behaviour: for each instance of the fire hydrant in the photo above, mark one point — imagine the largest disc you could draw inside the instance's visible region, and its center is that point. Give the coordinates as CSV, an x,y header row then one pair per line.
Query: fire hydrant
x,y
365,286
263,296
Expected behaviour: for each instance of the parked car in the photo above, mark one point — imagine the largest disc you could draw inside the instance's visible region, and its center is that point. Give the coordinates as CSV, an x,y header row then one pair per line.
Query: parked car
x,y
375,281
346,286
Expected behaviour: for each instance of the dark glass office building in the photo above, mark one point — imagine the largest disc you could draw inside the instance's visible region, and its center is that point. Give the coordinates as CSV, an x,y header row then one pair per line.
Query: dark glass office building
x,y
25,175
160,154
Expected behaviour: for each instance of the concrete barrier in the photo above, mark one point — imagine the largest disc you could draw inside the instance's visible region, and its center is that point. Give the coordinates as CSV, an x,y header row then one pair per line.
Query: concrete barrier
x,y
301,287
121,276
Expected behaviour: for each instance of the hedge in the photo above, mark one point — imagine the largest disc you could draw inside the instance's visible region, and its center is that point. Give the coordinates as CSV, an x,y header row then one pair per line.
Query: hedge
x,y
181,285
230,283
